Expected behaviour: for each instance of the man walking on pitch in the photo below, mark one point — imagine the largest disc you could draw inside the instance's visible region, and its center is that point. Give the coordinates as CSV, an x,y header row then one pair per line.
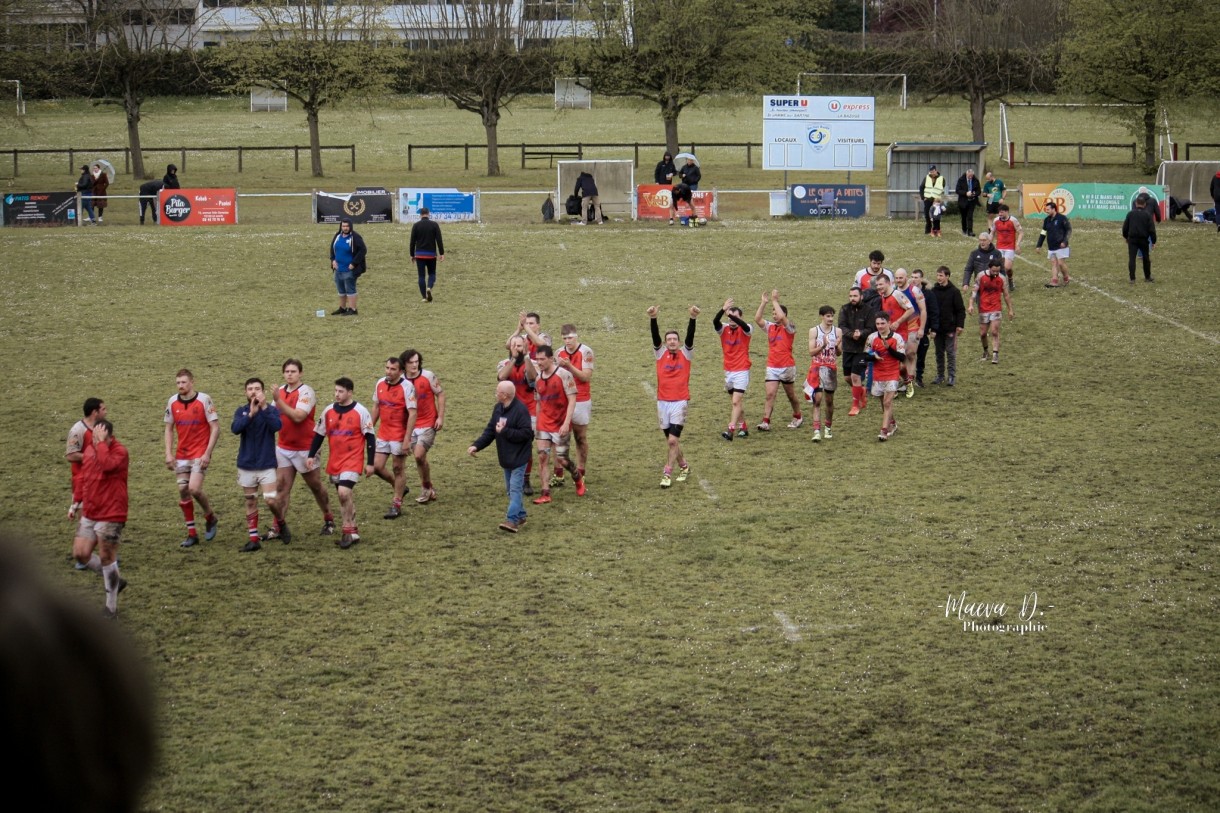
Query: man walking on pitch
x,y
256,424
104,510
80,436
886,349
347,260
510,427
857,319
519,369
296,403
825,344
967,190
348,428
1056,232
1008,235
429,418
577,359
673,390
191,417
1139,230
781,364
555,390
950,321
993,190
735,347
991,292
979,259
427,248
394,412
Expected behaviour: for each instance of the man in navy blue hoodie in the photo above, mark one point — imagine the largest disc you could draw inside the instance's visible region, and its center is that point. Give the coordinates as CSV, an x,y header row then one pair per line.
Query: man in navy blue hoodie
x,y
256,423
513,433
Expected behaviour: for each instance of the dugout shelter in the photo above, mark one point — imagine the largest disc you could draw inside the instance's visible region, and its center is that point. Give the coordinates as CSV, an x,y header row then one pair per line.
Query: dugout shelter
x,y
1188,180
615,183
907,164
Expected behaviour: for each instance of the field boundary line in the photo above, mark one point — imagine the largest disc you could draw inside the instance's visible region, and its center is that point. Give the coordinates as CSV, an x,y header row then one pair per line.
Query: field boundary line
x,y
707,489
792,632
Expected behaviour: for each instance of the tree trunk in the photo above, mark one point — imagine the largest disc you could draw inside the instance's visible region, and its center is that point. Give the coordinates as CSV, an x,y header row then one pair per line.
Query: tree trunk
x,y
1149,137
131,106
315,140
491,123
978,112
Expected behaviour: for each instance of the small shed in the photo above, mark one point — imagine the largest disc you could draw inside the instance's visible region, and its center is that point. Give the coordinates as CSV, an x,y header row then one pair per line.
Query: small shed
x,y
907,165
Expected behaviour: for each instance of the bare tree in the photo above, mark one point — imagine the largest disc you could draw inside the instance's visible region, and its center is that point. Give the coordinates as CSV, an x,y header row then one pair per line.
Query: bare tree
x,y
478,54
318,52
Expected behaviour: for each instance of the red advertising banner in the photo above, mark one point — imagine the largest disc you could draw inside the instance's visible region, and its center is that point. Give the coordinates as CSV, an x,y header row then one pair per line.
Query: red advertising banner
x,y
653,202
198,207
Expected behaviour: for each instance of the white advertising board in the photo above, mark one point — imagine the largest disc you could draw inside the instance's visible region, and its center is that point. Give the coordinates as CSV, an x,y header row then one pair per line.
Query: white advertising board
x,y
818,132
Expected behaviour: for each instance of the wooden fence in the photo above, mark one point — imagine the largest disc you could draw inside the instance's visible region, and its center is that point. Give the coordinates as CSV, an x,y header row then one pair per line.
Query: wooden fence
x,y
181,152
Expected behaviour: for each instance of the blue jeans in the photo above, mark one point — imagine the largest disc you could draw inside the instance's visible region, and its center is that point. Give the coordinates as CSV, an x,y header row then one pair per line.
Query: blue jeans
x,y
345,282
514,482
86,203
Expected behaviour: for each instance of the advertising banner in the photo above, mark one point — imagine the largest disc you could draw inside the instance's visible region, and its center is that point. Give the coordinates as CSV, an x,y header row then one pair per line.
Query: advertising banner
x,y
198,207
444,205
39,209
1090,201
818,132
373,205
653,202
850,200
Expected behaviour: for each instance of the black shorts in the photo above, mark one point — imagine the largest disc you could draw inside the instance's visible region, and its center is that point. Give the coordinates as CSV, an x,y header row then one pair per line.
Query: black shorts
x,y
682,192
855,363
993,208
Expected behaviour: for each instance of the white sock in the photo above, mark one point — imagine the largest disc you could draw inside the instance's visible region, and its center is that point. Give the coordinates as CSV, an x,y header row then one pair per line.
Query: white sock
x,y
94,563
110,576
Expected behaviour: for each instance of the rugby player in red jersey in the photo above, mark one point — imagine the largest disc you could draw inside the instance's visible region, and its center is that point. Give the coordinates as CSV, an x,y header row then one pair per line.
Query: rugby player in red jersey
x,y
520,370
673,359
577,359
781,364
991,293
103,510
297,403
886,348
348,429
192,417
825,345
735,347
394,413
429,418
555,391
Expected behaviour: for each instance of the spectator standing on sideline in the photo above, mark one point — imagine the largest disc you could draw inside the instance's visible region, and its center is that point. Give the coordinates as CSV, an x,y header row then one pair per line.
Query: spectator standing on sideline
x,y
690,174
101,185
673,390
104,510
256,423
1056,231
347,260
170,181
948,325
586,190
967,199
1215,190
191,416
149,194
84,187
665,171
980,259
1139,231
932,193
511,429
689,177
856,320
993,189
427,248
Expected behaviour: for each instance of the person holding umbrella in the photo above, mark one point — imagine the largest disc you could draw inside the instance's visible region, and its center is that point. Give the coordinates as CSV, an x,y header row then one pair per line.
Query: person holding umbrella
x,y
688,182
103,174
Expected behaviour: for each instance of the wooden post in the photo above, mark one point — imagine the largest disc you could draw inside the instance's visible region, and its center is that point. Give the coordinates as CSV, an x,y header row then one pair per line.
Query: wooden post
x,y
296,158
467,151
127,161
71,160
353,158
238,159
182,164
523,155
410,158
1079,155
1026,153
14,163
749,155
580,151
637,155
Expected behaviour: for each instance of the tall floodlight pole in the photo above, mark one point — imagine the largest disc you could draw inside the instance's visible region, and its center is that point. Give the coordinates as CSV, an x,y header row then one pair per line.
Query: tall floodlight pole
x,y
863,21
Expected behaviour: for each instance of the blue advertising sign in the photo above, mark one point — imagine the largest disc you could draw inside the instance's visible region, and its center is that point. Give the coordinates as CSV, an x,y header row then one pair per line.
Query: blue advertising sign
x,y
850,200
447,205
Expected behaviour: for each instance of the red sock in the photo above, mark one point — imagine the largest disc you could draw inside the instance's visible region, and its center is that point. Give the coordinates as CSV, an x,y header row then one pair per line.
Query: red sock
x,y
252,525
188,513
328,517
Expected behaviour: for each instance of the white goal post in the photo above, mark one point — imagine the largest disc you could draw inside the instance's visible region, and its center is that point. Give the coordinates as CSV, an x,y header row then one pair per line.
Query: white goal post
x,y
267,100
569,94
902,98
1008,146
20,98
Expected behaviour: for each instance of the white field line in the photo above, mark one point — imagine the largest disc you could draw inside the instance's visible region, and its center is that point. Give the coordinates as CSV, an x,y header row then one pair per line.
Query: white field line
x,y
563,247
648,388
791,631
707,489
609,323
584,283
1207,337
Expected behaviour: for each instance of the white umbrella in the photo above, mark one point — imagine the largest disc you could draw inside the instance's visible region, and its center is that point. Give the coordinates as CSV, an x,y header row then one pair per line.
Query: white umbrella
x,y
106,166
687,155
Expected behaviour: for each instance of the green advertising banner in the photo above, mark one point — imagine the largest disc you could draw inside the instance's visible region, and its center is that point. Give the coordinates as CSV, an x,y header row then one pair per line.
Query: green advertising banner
x,y
1091,201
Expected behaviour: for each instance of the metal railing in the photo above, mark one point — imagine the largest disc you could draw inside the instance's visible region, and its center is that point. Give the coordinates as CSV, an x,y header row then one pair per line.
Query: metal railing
x,y
577,150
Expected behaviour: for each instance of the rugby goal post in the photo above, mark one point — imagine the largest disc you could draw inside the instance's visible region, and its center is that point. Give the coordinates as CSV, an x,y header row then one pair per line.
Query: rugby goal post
x,y
902,95
570,95
20,99
1008,145
267,100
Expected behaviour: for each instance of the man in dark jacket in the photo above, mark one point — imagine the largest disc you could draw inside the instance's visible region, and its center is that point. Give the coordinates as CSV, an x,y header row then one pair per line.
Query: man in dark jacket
x,y
84,188
170,181
511,429
1215,190
949,322
665,171
967,199
426,248
930,319
347,260
256,424
148,198
979,259
857,319
1139,231
586,190
1056,232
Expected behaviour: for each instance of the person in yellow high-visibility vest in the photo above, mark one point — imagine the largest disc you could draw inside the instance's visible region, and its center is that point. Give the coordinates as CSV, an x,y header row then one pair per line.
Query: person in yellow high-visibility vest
x,y
932,193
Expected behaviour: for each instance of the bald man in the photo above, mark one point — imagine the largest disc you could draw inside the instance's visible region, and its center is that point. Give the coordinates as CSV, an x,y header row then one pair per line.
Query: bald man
x,y
513,433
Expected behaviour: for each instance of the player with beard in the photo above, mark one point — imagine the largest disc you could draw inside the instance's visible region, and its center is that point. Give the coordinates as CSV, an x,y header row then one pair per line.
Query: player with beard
x,y
735,346
991,293
520,370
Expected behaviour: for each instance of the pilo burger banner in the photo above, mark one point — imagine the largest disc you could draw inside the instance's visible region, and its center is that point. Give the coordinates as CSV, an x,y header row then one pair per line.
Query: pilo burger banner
x,y
653,202
198,207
